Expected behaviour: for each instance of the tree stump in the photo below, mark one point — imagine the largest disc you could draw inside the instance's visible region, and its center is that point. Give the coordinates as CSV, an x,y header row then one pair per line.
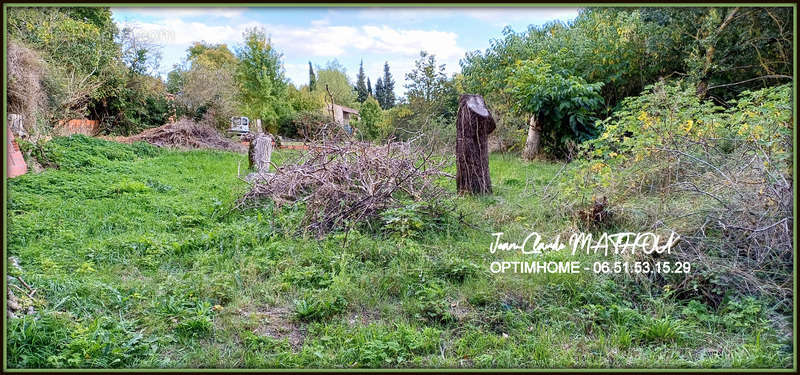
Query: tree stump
x,y
473,126
531,149
260,152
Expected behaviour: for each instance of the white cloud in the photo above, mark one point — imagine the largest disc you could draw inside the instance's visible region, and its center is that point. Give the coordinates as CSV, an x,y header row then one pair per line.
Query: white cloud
x,y
176,31
298,73
333,41
410,42
318,41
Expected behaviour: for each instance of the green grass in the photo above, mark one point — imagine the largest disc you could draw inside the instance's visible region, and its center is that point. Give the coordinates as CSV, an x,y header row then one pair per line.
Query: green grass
x,y
140,259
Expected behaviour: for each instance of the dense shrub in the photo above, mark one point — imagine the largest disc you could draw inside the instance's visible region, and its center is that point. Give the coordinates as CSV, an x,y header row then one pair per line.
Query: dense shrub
x,y
371,115
303,124
74,63
722,177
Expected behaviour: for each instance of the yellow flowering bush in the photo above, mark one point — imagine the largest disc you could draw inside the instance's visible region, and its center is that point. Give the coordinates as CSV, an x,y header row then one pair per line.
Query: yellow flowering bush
x,y
721,176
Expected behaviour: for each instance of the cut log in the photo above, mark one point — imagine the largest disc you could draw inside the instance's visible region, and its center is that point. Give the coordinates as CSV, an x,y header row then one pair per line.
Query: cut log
x,y
473,126
260,152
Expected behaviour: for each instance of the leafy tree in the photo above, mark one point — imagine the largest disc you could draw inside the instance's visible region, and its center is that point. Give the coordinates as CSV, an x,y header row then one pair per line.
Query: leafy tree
x,y
83,62
602,45
209,92
175,79
303,99
361,85
140,54
388,88
306,111
97,16
205,84
334,78
428,85
90,69
312,78
261,80
139,104
370,114
211,55
432,100
727,50
626,53
562,107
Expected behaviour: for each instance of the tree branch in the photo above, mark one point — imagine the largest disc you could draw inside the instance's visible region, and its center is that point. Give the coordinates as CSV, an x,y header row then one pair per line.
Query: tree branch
x,y
771,76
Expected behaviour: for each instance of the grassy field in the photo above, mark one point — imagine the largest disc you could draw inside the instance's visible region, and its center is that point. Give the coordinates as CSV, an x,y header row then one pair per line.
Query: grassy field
x,y
140,259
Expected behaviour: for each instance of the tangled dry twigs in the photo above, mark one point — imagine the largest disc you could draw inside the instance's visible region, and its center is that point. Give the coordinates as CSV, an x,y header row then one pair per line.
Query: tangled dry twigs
x,y
26,95
184,134
343,182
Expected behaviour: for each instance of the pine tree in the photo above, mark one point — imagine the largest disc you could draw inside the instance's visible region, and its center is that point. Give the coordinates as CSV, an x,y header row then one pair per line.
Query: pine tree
x,y
312,78
379,92
361,85
369,88
388,88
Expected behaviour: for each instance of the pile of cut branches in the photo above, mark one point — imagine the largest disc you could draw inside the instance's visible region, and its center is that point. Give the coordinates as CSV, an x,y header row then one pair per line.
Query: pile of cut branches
x,y
185,134
344,182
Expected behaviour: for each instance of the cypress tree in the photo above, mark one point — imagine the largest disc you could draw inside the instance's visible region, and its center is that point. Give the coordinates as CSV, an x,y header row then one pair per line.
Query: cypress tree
x,y
379,92
361,85
312,78
388,88
369,87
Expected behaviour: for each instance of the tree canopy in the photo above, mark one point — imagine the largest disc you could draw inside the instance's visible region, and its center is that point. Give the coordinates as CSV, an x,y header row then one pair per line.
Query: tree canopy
x,y
261,79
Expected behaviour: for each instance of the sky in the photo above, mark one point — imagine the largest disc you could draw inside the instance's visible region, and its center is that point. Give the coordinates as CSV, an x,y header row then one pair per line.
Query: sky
x,y
319,35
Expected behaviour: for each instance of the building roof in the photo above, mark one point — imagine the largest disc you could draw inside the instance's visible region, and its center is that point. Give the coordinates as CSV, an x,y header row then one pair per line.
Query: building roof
x,y
348,109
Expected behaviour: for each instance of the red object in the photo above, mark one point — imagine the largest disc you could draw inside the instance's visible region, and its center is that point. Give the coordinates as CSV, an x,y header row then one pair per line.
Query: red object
x,y
16,163
78,126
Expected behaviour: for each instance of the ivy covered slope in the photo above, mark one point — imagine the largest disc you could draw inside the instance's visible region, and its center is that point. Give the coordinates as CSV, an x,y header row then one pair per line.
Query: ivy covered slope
x,y
140,260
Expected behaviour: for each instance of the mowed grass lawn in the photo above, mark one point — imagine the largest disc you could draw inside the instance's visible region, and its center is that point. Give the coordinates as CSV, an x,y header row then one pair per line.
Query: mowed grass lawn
x,y
140,259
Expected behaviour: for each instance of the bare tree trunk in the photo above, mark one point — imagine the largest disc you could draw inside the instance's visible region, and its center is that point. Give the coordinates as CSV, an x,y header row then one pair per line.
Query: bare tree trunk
x,y
260,152
534,139
702,86
473,126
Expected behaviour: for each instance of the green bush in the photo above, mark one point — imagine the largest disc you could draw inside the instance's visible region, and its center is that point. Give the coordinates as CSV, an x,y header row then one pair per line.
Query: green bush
x,y
371,115
669,154
564,105
303,123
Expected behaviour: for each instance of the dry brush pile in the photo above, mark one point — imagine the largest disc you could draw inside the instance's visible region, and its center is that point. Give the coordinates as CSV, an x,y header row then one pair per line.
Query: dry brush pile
x,y
345,182
184,134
